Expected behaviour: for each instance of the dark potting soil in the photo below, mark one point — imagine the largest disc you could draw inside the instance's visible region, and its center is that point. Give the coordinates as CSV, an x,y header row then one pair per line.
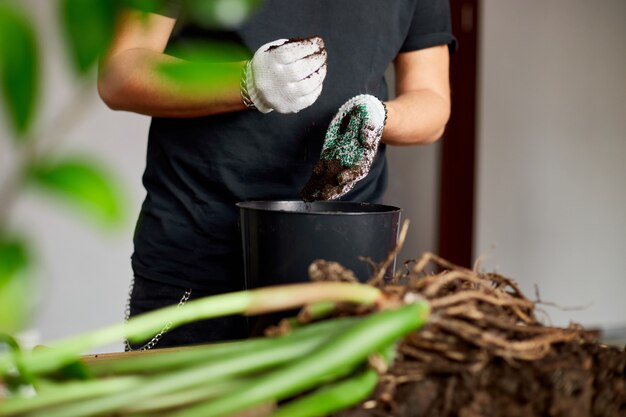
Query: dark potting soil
x,y
575,380
323,181
309,40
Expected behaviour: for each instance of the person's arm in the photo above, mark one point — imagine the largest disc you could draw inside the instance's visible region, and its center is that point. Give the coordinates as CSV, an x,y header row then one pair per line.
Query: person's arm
x,y
421,109
128,79
285,75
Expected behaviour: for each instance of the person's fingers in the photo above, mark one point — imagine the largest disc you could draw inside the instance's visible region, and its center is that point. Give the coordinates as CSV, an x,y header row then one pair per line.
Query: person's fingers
x,y
370,136
305,67
345,108
376,111
343,189
349,177
295,50
309,83
270,46
346,176
302,102
306,101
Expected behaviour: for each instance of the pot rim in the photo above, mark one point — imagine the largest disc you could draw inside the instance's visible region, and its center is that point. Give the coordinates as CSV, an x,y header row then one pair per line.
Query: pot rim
x,y
270,206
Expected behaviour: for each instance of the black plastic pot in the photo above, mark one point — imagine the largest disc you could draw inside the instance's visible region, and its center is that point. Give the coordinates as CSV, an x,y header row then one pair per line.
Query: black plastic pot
x,y
282,238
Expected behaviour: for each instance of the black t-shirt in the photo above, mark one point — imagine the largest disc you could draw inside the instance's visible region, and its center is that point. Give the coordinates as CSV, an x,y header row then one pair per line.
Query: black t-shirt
x,y
198,169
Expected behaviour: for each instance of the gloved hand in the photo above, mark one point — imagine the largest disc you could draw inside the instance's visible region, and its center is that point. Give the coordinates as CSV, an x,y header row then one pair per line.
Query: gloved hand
x,y
286,75
349,148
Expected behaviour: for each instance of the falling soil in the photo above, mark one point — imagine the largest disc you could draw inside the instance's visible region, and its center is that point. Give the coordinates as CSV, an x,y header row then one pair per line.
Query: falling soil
x,y
484,353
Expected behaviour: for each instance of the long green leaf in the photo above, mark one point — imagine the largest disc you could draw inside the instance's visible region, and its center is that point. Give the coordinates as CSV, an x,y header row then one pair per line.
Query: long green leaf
x,y
332,360
73,391
332,397
142,327
88,27
83,184
336,396
161,360
282,350
16,286
19,68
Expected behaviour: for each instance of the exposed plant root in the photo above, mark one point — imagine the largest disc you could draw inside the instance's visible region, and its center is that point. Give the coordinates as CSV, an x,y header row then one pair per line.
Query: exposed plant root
x,y
484,351
322,270
379,272
480,321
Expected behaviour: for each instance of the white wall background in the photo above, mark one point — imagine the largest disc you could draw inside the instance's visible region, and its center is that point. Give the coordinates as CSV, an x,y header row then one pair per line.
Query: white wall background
x,y
552,152
550,181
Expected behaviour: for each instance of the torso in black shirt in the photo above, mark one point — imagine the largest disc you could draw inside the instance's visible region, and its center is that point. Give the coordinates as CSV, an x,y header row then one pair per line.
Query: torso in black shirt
x,y
198,169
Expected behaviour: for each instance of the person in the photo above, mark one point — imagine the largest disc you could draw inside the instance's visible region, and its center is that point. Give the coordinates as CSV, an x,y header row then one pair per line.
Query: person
x,y
259,139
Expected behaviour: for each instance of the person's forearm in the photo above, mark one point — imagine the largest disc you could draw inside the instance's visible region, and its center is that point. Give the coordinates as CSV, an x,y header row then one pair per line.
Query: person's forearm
x,y
416,117
130,81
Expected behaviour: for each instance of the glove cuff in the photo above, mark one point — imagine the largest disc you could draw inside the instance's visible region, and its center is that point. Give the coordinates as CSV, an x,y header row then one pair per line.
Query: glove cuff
x,y
243,87
252,92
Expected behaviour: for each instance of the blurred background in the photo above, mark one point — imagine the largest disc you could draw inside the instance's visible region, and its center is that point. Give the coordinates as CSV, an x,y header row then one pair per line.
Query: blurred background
x,y
530,173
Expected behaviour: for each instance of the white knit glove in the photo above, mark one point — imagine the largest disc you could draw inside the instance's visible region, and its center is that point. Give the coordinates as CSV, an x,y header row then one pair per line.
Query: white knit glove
x,y
349,148
286,75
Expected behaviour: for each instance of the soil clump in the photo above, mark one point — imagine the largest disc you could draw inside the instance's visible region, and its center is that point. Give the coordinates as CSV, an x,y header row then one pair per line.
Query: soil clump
x,y
484,353
323,182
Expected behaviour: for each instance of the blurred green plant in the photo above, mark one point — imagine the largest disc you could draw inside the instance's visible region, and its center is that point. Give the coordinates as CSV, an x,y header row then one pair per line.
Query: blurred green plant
x,y
87,27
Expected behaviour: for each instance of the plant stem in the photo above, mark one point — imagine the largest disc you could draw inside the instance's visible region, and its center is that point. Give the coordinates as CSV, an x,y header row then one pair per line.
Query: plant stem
x,y
339,395
184,397
282,351
158,361
62,393
333,397
139,328
343,353
9,189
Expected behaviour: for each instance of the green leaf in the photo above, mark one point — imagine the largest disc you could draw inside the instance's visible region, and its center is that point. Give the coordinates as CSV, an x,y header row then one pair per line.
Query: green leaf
x,y
19,68
194,78
205,66
210,51
82,183
74,370
13,260
220,13
88,27
146,6
16,286
8,340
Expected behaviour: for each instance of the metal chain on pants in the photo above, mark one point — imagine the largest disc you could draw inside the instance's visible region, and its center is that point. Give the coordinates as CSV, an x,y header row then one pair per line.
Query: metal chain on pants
x,y
155,339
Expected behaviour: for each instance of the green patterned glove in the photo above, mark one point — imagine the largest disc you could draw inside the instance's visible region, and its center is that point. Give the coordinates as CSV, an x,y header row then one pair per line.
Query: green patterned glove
x,y
349,148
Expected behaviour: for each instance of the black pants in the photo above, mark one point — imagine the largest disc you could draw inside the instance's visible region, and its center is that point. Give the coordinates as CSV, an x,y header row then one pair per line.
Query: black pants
x,y
150,295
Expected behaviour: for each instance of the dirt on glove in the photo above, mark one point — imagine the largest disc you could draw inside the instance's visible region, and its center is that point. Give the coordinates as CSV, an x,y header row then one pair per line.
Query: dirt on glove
x,y
484,353
324,183
310,40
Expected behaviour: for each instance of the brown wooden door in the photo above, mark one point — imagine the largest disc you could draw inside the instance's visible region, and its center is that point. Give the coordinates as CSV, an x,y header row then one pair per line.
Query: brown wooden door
x,y
456,198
